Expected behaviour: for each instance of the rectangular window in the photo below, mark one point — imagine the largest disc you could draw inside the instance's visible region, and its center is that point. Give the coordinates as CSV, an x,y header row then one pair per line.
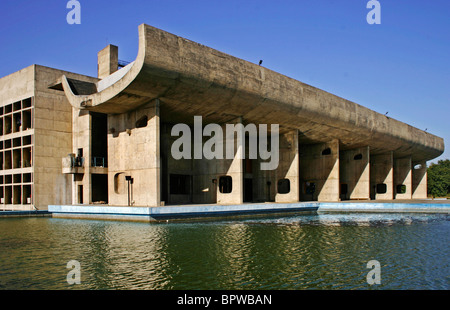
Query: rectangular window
x,y
381,188
344,189
180,184
225,184
284,186
401,189
80,194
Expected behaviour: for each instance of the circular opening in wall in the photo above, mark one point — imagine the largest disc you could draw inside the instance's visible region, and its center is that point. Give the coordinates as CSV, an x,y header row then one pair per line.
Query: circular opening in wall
x,y
326,151
358,157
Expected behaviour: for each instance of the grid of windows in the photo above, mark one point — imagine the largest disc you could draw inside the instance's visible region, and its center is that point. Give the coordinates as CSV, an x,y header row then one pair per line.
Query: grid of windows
x,y
16,153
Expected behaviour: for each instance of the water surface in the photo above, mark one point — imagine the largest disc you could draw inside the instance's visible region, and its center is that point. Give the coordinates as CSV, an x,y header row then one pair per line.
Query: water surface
x,y
325,251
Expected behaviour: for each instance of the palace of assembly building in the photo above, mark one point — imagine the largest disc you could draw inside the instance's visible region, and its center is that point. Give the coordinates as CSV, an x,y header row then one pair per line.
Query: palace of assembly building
x,y
70,139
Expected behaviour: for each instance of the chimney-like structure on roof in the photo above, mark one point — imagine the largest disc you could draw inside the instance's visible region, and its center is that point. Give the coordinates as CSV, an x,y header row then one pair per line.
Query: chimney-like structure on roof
x,y
108,61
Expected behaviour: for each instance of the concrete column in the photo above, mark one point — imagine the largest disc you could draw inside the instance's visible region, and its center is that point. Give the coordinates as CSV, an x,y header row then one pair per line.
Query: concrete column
x,y
82,140
382,176
319,166
355,173
419,180
403,178
233,168
134,151
108,61
288,189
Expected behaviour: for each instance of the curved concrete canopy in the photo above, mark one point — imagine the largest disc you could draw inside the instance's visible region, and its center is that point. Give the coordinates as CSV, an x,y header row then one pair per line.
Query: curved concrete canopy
x,y
192,79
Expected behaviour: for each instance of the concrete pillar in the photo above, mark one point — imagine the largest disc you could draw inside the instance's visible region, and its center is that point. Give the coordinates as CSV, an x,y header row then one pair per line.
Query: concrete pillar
x,y
82,140
382,176
287,173
403,178
355,173
108,61
319,166
231,170
134,152
419,180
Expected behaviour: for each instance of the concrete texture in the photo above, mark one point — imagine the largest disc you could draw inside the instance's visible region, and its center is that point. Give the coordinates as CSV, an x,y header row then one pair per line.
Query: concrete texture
x,y
36,133
178,213
355,173
321,169
106,141
382,172
403,178
179,71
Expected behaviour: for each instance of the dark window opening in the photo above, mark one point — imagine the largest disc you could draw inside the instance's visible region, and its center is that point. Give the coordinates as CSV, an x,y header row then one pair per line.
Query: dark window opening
x,y
310,188
326,151
99,188
248,190
142,122
381,188
99,134
80,194
401,189
284,186
248,165
344,189
180,184
358,157
225,184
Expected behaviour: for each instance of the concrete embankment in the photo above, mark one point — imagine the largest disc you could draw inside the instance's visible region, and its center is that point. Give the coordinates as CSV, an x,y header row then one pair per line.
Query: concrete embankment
x,y
151,214
186,212
9,214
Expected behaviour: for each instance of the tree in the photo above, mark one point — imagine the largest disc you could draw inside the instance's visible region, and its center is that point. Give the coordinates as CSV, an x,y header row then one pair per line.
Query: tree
x,y
439,178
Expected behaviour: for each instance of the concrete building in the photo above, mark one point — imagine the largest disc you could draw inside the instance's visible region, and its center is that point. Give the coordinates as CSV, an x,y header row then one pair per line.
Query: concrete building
x,y
70,139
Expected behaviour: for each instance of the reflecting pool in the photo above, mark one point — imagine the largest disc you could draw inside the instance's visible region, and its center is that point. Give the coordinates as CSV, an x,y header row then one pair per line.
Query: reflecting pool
x,y
321,251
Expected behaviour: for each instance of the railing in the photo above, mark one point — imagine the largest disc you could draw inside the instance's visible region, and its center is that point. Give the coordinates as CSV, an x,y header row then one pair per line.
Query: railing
x,y
77,162
72,164
99,162
123,63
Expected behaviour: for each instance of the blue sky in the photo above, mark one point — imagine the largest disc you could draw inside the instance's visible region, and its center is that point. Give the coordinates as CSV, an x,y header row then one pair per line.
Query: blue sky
x,y
401,66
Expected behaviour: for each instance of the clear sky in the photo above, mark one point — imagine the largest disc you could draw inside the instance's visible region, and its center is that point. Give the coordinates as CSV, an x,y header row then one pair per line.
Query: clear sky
x,y
401,66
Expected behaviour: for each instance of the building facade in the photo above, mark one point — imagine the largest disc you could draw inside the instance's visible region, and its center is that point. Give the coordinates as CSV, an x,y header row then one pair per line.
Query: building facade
x,y
69,139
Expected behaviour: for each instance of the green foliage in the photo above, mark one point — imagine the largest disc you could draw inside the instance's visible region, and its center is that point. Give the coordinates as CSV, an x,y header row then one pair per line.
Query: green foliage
x,y
439,179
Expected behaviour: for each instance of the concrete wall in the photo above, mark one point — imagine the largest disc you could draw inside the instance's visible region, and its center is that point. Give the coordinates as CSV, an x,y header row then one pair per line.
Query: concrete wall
x,y
50,116
52,140
82,123
403,177
288,167
323,170
382,172
134,152
355,173
108,61
419,180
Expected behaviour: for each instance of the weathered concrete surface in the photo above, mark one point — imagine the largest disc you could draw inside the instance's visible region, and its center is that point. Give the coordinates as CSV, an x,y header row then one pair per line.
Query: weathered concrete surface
x,y
289,167
355,173
320,168
382,172
403,178
134,151
192,79
41,136
148,214
419,180
108,61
